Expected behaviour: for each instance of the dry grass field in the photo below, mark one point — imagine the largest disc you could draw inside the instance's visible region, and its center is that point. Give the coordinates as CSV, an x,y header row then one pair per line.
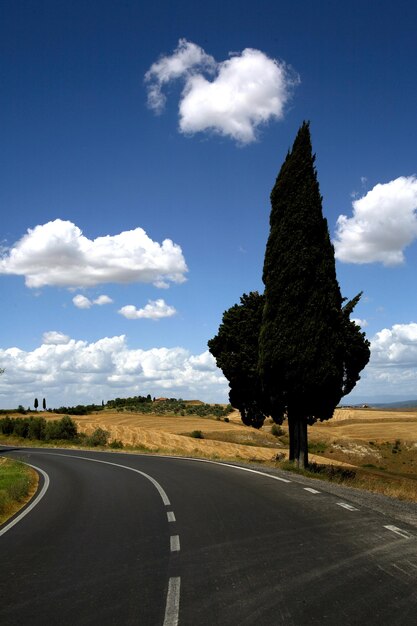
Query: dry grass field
x,y
380,445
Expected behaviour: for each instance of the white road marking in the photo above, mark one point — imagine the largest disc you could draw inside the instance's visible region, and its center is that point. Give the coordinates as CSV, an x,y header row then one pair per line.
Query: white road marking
x,y
32,504
173,602
155,483
349,507
175,543
236,467
311,490
399,531
171,516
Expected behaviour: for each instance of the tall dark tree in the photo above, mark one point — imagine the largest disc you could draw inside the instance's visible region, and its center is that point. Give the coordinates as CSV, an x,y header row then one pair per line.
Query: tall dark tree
x,y
36,404
235,349
310,353
44,404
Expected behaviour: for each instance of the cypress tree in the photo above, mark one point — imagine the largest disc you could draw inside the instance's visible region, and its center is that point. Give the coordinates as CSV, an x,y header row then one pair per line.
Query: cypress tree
x,y
306,359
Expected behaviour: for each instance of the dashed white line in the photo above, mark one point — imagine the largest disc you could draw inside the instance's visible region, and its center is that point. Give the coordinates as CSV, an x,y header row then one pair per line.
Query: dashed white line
x,y
32,504
349,507
173,602
171,516
311,490
175,543
399,531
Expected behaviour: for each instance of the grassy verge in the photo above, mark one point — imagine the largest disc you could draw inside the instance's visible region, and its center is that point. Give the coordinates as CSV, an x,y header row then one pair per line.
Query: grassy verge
x,y
17,484
398,487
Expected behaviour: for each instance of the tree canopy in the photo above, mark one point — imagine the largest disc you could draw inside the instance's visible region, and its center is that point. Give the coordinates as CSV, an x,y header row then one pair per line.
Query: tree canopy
x,y
235,349
310,353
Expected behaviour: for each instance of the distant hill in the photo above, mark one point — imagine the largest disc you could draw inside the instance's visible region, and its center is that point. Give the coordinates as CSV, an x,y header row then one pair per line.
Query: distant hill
x,y
404,404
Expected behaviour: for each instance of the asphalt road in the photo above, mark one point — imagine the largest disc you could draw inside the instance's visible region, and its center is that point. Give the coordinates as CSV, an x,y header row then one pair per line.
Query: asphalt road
x,y
199,543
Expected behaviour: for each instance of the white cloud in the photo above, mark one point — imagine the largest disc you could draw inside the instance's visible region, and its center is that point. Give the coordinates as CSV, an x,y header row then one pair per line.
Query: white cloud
x,y
58,254
359,322
55,337
392,369
154,310
103,299
384,222
185,59
241,93
82,302
80,372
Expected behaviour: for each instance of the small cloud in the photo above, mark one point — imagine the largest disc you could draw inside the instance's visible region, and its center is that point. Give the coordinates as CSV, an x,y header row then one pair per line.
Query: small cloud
x,y
58,254
54,337
383,224
154,310
232,98
82,302
103,300
359,322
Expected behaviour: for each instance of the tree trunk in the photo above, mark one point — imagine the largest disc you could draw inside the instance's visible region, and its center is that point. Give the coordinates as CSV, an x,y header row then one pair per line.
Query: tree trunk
x,y
297,427
291,428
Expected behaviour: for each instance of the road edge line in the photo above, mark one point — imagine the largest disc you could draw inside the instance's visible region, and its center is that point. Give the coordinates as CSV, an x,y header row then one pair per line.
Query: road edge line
x,y
34,502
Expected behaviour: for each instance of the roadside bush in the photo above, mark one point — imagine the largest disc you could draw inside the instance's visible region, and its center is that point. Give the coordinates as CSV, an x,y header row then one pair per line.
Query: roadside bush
x,y
197,434
276,430
116,444
99,437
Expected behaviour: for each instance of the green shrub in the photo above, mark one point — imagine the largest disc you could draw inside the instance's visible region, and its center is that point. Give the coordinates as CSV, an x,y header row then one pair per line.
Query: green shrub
x,y
99,437
116,444
197,434
276,430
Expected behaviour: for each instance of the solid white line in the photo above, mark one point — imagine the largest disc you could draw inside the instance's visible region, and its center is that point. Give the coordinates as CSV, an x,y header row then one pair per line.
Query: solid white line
x,y
349,507
173,602
236,467
175,543
399,531
32,504
171,516
155,483
311,490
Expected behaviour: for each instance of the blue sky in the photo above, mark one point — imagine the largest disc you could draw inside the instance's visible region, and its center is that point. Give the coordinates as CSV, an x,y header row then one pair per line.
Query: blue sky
x,y
140,142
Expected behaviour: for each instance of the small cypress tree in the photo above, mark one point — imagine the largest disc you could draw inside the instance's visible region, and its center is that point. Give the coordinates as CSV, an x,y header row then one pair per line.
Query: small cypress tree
x,y
306,359
44,404
36,404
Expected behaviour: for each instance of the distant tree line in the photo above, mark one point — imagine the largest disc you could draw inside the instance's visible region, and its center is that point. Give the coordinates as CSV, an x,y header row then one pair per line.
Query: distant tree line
x,y
38,428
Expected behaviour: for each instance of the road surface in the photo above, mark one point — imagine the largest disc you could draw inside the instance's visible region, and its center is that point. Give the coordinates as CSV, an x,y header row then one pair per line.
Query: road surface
x,y
128,539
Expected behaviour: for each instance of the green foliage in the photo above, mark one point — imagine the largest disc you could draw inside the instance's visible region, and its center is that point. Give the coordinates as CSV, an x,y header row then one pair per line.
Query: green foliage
x,y
310,353
79,409
276,430
197,434
235,349
169,406
37,428
99,437
116,444
15,482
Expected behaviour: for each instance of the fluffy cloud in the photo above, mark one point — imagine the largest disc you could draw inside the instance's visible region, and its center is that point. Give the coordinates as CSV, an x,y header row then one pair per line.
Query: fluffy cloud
x,y
359,322
384,222
72,372
154,310
239,95
58,254
392,369
55,337
82,302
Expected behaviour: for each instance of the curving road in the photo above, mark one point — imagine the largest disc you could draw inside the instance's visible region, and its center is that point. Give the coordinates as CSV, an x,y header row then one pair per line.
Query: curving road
x,y
146,540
